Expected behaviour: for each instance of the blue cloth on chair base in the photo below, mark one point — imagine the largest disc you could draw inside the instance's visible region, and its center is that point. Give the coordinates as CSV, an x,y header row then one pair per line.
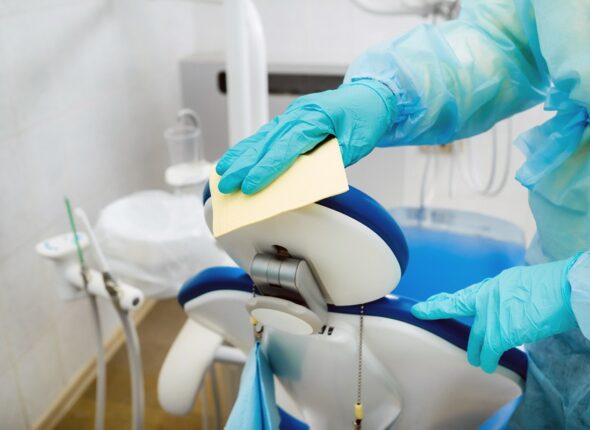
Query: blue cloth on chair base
x,y
255,408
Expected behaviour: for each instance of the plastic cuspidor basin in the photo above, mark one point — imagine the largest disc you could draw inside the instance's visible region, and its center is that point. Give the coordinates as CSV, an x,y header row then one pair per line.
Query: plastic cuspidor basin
x,y
156,240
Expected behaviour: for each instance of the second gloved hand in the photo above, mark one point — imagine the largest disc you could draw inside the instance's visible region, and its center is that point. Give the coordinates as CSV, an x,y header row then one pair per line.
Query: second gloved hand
x,y
520,305
358,114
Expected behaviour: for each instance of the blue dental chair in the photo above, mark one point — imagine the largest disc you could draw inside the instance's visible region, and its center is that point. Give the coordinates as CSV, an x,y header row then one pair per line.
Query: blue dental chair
x,y
305,274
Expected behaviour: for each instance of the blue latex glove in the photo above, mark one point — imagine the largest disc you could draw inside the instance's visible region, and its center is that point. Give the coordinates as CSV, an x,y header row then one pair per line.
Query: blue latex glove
x,y
520,305
357,114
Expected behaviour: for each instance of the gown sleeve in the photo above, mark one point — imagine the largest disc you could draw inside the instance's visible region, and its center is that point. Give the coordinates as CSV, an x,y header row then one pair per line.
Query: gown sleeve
x,y
459,78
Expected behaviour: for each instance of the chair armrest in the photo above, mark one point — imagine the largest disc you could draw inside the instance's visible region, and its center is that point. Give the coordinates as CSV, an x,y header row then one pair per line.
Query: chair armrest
x,y
187,362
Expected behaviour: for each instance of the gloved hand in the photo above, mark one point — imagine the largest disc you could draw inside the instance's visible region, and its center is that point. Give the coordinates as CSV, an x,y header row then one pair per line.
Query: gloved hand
x,y
358,114
520,305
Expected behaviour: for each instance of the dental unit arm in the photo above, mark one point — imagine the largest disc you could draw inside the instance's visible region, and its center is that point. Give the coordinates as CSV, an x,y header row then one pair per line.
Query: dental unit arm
x,y
76,280
62,251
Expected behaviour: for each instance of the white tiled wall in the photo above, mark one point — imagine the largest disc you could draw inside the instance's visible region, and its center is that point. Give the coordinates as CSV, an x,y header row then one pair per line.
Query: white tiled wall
x,y
324,29
86,89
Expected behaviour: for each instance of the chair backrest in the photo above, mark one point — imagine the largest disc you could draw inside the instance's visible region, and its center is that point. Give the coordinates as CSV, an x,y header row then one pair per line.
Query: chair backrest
x,y
355,248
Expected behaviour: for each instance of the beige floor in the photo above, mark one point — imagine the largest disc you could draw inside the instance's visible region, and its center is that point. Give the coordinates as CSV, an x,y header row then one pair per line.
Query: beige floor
x,y
156,333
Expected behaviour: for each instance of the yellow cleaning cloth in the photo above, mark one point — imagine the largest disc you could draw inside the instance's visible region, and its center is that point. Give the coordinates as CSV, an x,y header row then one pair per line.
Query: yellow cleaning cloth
x,y
314,176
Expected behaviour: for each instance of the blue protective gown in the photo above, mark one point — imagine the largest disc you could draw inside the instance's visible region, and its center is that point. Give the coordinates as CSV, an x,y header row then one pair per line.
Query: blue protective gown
x,y
458,79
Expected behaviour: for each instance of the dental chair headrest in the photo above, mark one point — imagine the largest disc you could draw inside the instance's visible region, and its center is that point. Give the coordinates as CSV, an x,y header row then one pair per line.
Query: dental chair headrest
x,y
355,248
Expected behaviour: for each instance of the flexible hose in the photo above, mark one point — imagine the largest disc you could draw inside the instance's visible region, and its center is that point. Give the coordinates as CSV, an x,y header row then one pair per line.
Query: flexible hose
x,y
216,400
133,349
452,172
134,356
507,162
101,370
102,261
474,172
427,191
424,184
471,175
204,409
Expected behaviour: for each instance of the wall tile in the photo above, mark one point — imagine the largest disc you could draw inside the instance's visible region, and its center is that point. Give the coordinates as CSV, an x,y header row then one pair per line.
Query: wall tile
x,y
173,30
85,45
75,335
29,53
23,6
27,300
209,32
17,223
43,149
92,147
12,416
281,18
6,362
327,30
27,6
8,125
40,376
369,29
44,53
329,42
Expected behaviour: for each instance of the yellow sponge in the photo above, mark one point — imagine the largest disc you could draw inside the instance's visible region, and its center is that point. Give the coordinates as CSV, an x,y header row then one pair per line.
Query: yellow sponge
x,y
314,176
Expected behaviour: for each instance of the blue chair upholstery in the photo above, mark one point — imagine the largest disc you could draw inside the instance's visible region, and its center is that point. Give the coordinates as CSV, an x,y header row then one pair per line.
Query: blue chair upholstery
x,y
392,307
444,261
289,422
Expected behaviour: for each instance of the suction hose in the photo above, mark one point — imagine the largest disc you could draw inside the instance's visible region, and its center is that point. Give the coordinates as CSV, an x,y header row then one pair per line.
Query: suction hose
x,y
131,339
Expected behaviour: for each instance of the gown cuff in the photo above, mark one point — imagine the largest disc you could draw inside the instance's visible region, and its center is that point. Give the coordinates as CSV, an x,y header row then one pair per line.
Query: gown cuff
x,y
579,279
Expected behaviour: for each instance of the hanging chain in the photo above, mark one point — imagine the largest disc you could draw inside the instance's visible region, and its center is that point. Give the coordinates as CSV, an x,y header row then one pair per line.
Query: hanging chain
x,y
358,407
360,358
257,329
